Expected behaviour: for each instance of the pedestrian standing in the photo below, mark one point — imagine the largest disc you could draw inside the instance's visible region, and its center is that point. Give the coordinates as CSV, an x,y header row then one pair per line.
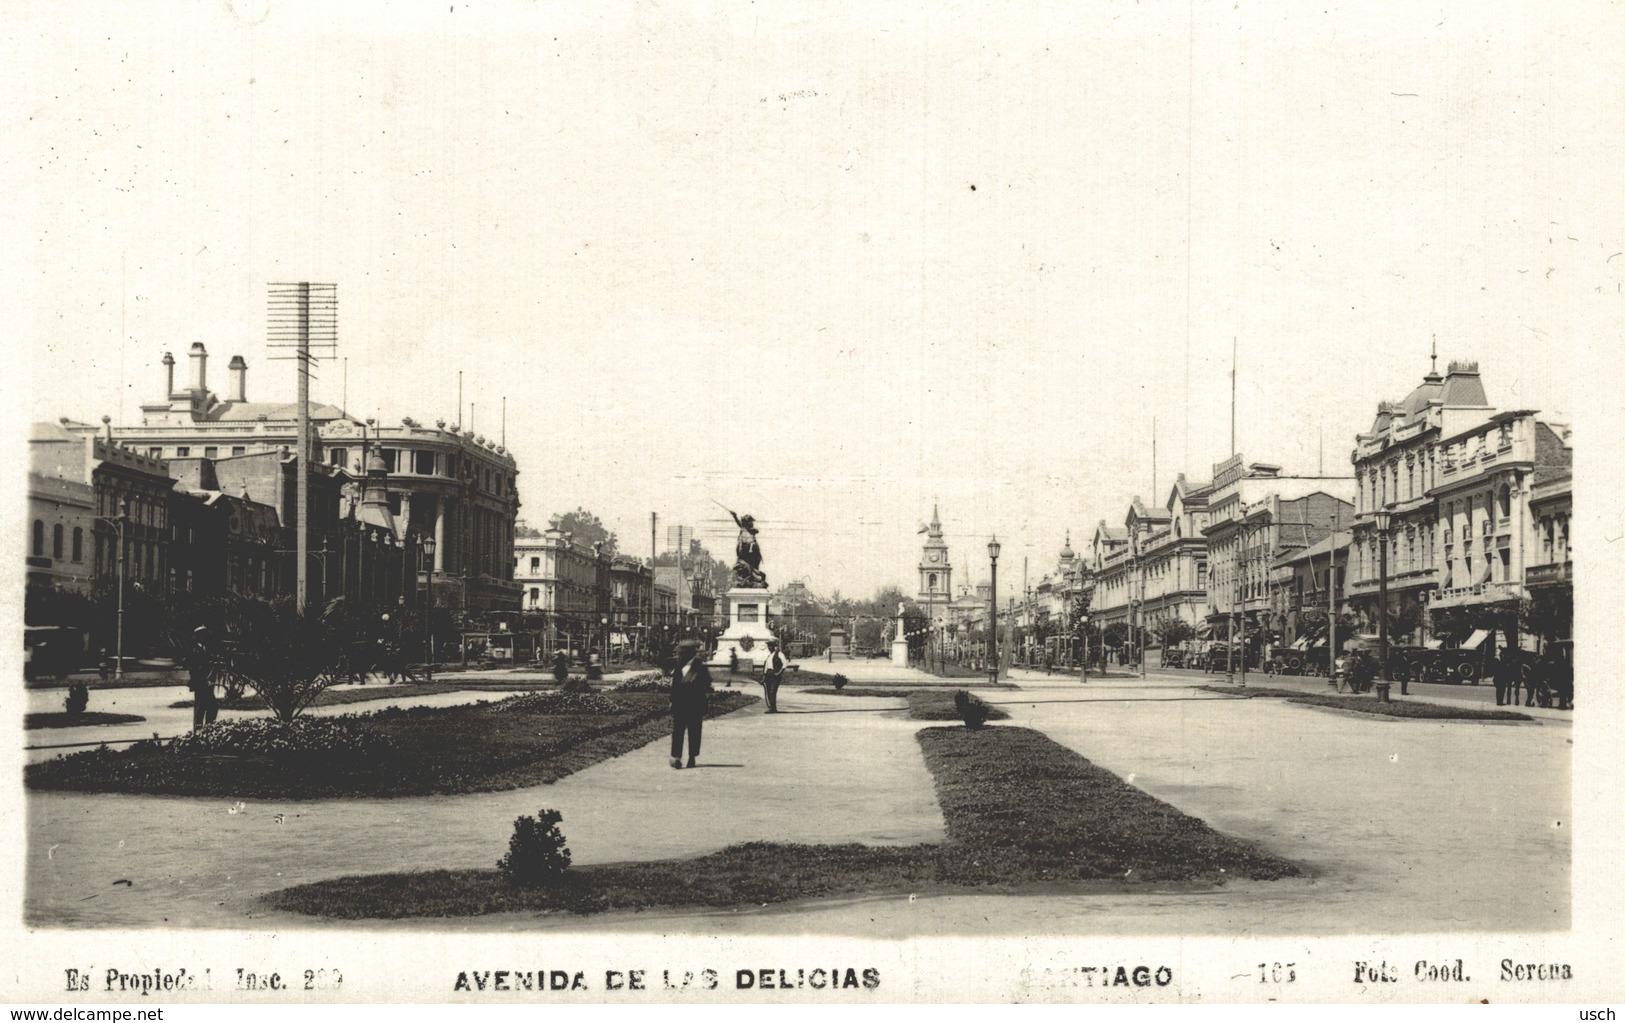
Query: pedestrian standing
x,y
595,669
200,669
1505,677
773,674
561,667
690,691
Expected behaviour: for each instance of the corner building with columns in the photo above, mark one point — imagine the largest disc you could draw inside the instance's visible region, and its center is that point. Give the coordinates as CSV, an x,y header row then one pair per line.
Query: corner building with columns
x,y
441,480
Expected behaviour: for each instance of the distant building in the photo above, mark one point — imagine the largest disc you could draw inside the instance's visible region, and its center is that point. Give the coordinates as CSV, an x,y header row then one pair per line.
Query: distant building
x,y
569,583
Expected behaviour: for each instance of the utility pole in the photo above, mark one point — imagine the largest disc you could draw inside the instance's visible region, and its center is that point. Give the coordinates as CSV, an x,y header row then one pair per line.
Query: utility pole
x,y
301,316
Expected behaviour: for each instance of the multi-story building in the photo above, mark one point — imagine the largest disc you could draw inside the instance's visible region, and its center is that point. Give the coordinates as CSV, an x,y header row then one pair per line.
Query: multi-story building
x,y
569,583
61,513
130,491
1549,569
1255,515
1396,466
630,581
1307,584
1109,555
1172,561
442,481
1455,480
1486,529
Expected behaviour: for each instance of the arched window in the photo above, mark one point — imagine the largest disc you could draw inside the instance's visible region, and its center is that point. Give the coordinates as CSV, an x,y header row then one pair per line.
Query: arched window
x,y
1506,501
39,538
56,541
78,543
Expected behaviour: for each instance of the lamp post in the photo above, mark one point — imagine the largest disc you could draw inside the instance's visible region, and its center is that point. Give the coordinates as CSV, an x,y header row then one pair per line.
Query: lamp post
x,y
425,547
993,613
1383,519
118,521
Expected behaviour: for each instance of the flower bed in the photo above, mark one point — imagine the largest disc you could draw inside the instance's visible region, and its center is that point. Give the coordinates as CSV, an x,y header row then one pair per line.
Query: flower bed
x,y
556,701
335,736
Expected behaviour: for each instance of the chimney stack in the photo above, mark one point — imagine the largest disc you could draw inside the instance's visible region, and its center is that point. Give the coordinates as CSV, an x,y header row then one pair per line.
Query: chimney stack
x,y
239,378
200,364
169,374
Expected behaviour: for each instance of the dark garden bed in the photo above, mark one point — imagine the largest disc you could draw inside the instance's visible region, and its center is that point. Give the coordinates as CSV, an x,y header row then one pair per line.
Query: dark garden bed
x,y
1368,704
482,747
62,719
1021,810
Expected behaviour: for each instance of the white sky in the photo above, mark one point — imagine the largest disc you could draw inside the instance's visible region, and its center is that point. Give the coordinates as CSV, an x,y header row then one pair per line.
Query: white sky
x,y
830,268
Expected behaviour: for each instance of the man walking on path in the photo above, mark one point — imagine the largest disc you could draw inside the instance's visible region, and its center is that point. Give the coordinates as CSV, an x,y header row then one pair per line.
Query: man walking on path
x,y
690,691
773,674
200,672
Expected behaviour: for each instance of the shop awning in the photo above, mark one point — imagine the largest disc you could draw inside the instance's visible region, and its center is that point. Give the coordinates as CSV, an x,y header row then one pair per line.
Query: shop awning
x,y
1476,640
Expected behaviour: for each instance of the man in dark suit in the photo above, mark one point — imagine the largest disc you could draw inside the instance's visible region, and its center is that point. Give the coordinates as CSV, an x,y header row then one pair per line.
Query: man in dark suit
x,y
200,669
690,691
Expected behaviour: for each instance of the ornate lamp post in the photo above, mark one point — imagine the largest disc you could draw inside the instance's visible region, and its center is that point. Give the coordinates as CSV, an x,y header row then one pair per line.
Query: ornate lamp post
x,y
993,613
1383,520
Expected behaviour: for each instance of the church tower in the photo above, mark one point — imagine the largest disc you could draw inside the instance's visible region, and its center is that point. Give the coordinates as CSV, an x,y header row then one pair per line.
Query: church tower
x,y
936,573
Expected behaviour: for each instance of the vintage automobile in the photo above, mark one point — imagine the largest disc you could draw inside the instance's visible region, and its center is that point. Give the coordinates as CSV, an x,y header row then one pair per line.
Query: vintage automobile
x,y
52,651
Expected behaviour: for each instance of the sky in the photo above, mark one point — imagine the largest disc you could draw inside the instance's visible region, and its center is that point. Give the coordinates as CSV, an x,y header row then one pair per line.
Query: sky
x,y
831,268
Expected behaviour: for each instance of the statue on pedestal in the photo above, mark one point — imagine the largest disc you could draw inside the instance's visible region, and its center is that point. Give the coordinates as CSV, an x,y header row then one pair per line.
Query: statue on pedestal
x,y
748,555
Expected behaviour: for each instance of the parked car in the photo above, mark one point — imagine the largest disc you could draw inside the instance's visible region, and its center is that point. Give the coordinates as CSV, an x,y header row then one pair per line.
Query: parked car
x,y
52,651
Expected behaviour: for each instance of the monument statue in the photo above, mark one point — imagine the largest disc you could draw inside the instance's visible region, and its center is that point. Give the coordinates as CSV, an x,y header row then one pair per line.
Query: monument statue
x,y
748,555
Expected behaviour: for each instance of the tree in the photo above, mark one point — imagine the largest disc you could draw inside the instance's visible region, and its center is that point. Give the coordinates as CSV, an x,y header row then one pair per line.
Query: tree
x,y
1175,632
289,656
584,528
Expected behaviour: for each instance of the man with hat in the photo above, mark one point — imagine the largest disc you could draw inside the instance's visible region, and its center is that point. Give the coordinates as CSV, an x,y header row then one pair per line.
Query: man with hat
x,y
773,674
690,691
200,669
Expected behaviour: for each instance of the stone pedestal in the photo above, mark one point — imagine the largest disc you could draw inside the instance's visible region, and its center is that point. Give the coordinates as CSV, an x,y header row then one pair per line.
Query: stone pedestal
x,y
747,633
838,646
899,645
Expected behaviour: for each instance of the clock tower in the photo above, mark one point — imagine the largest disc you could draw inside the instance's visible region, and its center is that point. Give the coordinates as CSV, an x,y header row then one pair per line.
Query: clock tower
x,y
936,573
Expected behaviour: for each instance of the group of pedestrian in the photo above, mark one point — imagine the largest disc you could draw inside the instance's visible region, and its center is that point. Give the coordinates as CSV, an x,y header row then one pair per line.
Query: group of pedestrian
x,y
1517,681
691,686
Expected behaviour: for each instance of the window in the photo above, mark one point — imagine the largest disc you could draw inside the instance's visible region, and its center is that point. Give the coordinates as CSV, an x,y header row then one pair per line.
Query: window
x,y
183,452
389,459
423,463
235,451
56,541
39,538
155,452
211,452
1506,501
535,564
335,456
78,544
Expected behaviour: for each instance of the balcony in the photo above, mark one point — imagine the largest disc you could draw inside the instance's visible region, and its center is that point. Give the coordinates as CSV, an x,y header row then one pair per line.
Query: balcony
x,y
1481,593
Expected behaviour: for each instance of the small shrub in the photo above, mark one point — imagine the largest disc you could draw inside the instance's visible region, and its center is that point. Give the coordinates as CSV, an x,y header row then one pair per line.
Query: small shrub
x,y
537,854
575,684
971,709
77,700
840,681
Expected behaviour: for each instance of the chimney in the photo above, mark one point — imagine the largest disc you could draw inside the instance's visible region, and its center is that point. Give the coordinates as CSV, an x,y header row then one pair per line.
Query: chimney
x,y
200,364
239,378
169,374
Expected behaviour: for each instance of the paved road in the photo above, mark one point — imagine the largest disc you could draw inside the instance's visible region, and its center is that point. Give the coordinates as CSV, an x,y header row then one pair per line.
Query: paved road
x,y
1403,825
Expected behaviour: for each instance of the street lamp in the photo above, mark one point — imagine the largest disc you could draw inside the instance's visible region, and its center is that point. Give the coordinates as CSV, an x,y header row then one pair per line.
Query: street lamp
x,y
426,549
118,521
1383,520
993,612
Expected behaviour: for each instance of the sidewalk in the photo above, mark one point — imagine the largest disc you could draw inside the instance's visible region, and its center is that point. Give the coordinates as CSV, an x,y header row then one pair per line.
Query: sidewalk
x,y
826,769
